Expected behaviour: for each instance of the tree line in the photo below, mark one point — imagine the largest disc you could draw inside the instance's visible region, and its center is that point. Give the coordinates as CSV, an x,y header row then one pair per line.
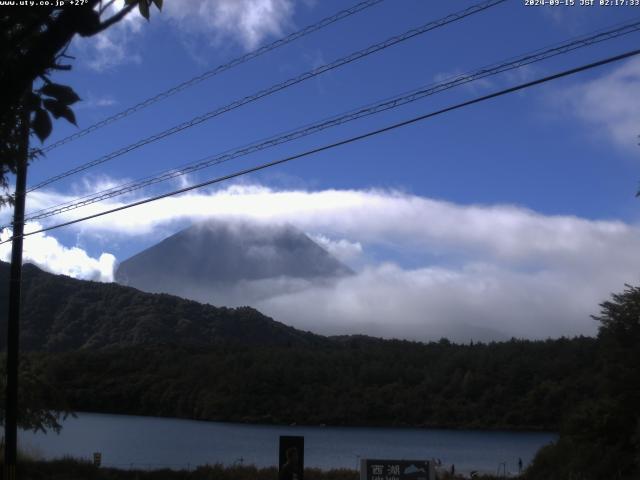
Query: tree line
x,y
353,381
112,349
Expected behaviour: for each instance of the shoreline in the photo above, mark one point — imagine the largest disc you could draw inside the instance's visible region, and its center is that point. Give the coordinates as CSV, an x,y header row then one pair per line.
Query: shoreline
x,y
503,429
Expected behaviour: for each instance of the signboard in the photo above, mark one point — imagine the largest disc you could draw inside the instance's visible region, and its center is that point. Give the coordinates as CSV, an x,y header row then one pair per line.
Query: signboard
x,y
291,459
97,459
396,470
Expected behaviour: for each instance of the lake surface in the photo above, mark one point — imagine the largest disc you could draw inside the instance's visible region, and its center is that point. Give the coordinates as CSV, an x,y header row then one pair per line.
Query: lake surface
x,y
149,442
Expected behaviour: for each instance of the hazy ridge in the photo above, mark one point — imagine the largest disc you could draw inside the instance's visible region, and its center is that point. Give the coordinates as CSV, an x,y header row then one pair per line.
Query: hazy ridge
x,y
60,313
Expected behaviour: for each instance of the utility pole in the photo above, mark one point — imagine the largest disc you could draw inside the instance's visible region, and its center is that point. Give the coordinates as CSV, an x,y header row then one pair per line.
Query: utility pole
x,y
15,283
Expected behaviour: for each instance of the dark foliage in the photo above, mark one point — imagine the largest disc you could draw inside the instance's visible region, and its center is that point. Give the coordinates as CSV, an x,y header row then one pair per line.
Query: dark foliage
x,y
516,384
61,313
601,438
33,44
115,349
69,469
42,404
108,348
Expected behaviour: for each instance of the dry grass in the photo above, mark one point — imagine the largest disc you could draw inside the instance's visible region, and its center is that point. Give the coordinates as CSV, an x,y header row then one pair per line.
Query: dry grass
x,y
73,469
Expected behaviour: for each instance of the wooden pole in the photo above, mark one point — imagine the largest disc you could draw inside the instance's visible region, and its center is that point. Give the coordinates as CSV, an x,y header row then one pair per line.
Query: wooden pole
x,y
15,283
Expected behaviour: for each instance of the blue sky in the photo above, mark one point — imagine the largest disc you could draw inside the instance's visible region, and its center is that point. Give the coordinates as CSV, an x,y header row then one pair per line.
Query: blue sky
x,y
516,216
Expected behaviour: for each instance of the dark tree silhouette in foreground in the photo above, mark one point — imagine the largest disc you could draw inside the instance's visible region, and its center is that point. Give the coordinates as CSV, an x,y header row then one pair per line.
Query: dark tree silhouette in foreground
x,y
33,44
601,439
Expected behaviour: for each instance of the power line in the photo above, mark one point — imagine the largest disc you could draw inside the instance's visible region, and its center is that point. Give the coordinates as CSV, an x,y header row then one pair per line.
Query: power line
x,y
354,139
388,104
277,87
217,70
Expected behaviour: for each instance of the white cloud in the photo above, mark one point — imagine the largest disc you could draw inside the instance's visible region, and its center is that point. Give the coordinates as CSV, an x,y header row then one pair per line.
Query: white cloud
x,y
504,270
503,233
91,101
47,253
477,302
114,46
609,103
342,249
111,51
246,21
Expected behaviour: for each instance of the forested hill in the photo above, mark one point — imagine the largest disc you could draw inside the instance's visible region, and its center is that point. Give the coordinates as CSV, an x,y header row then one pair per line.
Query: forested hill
x,y
109,348
60,313
515,384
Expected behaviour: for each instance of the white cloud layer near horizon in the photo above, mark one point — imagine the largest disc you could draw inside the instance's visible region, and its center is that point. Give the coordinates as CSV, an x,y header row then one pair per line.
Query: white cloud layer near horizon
x,y
477,302
504,270
49,254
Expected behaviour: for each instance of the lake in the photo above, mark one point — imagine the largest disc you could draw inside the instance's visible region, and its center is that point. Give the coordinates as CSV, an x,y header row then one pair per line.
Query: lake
x,y
150,442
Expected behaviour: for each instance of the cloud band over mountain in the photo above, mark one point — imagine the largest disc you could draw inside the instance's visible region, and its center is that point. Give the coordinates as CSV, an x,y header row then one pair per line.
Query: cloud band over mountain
x,y
425,268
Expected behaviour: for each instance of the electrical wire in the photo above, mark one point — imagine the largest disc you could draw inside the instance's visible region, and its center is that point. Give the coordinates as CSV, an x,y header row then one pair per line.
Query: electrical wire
x,y
216,71
387,104
277,87
349,140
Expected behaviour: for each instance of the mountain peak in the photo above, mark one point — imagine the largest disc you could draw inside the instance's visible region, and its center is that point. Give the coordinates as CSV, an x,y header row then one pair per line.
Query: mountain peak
x,y
210,260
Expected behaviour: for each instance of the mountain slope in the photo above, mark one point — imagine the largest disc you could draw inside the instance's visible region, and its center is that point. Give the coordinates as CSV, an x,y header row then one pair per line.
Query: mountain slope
x,y
229,262
60,313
